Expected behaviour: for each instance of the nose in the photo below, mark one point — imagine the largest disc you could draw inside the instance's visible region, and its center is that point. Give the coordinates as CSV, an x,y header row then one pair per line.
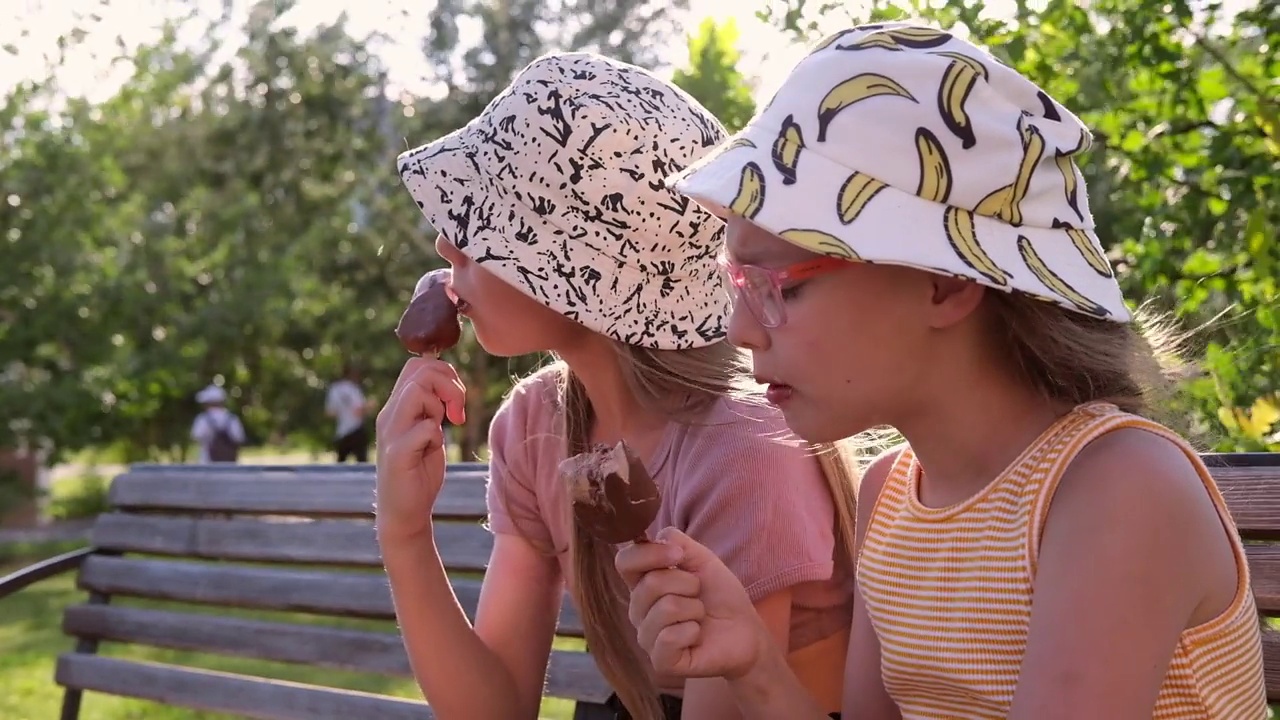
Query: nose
x,y
744,330
449,251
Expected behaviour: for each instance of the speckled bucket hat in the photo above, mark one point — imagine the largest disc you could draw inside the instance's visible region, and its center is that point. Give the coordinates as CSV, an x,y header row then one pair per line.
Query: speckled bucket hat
x,y
557,188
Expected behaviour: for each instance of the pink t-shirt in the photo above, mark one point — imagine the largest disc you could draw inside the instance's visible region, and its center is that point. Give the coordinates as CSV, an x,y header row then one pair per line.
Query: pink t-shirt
x,y
737,481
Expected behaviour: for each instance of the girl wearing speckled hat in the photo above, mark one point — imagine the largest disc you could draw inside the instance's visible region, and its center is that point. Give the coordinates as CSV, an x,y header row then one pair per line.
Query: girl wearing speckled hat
x,y
910,245
553,213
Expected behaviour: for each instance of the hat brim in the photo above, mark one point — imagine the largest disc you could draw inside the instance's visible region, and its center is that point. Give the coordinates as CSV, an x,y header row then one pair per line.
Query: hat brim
x,y
877,223
495,227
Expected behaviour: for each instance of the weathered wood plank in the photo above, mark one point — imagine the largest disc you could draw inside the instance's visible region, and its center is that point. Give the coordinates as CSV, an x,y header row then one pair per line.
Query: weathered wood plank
x,y
1264,575
463,545
571,675
277,493
258,698
345,594
1253,496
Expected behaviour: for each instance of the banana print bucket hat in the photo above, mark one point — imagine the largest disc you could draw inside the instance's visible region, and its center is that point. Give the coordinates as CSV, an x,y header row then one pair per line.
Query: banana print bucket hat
x,y
558,188
902,144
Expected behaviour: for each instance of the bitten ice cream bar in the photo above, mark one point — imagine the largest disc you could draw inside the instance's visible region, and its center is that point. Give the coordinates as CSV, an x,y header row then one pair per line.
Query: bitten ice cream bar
x,y
613,495
430,325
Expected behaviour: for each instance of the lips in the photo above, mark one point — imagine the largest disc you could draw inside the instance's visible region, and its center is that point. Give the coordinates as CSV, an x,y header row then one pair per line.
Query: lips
x,y
462,305
776,392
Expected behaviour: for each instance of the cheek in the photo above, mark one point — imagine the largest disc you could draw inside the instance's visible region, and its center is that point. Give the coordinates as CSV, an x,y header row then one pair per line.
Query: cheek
x,y
512,323
853,349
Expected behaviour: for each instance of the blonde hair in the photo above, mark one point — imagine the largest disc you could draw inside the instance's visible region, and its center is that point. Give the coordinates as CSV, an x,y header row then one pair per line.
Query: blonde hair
x,y
681,385
1072,358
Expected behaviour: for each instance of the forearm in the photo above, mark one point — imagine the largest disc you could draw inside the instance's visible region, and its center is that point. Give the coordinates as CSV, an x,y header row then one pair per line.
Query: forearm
x,y
771,690
460,676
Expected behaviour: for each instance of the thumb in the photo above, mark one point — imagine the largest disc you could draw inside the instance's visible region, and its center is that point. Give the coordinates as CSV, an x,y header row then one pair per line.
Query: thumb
x,y
693,555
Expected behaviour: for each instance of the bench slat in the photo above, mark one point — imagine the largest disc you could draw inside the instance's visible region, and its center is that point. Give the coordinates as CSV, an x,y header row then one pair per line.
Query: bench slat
x,y
1264,575
350,594
282,493
258,698
463,545
1253,496
570,675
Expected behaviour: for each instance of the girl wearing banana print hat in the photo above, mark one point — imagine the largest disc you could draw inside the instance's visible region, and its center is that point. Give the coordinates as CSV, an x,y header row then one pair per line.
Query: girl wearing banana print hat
x,y
910,244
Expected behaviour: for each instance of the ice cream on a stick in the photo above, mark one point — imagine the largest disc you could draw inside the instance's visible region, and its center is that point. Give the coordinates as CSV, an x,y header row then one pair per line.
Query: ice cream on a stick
x,y
430,325
613,494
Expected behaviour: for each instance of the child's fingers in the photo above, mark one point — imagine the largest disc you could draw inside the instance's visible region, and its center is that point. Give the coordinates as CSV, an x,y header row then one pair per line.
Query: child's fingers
x,y
668,611
635,560
671,649
657,584
410,404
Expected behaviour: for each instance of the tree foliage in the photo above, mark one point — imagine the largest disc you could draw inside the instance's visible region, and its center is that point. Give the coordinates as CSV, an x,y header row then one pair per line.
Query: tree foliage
x,y
239,220
713,76
231,212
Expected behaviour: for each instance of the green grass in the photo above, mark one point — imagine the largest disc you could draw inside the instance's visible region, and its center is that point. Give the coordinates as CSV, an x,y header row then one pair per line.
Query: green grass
x,y
31,639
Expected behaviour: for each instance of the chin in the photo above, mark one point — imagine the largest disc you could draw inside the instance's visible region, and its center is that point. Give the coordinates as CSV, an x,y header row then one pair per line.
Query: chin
x,y
817,428
502,347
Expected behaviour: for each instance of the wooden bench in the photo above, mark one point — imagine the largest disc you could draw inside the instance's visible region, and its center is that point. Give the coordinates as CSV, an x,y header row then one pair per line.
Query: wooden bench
x,y
188,534
296,539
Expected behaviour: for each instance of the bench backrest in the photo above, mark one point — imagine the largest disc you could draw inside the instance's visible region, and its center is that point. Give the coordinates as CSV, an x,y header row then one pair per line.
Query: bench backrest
x,y
300,539
296,539
1250,483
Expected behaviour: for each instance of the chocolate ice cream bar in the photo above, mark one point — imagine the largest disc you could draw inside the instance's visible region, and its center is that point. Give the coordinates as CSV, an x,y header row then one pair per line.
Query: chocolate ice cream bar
x,y
430,325
613,494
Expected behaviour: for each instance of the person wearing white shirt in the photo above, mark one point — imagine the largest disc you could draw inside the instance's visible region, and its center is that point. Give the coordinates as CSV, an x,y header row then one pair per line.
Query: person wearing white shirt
x,y
346,403
216,430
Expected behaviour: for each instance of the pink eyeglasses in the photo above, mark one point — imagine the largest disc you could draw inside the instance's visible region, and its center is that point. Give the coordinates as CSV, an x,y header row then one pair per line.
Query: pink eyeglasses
x,y
761,288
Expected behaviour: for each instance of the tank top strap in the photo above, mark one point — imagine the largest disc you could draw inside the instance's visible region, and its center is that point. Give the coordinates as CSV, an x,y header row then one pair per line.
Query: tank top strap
x,y
893,496
1098,419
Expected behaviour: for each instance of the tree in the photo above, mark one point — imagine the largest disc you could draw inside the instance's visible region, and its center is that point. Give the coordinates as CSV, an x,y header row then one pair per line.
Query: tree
x,y
712,75
233,213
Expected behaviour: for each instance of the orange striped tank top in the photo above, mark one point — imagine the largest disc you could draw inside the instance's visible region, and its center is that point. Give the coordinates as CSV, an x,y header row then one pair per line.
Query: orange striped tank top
x,y
949,591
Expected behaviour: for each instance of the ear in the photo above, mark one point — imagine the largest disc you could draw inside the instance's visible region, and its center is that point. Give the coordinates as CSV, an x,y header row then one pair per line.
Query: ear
x,y
954,299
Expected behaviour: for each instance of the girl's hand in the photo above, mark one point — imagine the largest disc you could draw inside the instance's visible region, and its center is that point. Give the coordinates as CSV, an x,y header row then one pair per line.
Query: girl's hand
x,y
691,614
411,458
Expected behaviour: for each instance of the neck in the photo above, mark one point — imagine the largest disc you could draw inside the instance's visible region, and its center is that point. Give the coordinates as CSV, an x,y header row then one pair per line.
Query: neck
x,y
618,412
966,433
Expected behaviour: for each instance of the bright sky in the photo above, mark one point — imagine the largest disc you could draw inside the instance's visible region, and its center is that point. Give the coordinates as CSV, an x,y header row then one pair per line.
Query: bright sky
x,y
767,54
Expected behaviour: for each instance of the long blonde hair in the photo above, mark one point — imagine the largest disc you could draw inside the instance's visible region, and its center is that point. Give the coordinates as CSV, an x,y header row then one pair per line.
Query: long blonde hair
x,y
1071,358
681,385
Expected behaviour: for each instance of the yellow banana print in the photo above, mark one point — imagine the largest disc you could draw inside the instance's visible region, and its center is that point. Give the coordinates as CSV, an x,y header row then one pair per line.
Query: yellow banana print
x,y
820,242
786,150
854,90
957,82
1081,240
1067,166
738,143
750,197
1086,141
829,40
895,39
969,60
935,168
958,224
1070,184
1055,283
1006,202
854,195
